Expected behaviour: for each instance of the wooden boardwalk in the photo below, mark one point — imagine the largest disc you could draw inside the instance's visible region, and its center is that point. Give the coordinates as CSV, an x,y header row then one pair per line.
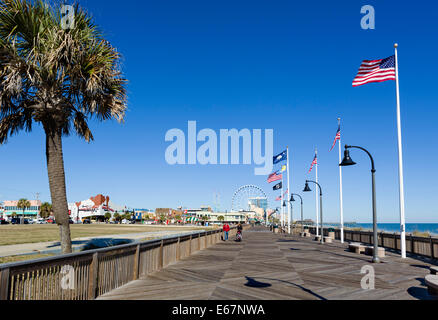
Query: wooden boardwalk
x,y
272,266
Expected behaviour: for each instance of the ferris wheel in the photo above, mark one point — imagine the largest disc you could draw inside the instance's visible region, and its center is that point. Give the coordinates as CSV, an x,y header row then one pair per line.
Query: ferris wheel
x,y
246,196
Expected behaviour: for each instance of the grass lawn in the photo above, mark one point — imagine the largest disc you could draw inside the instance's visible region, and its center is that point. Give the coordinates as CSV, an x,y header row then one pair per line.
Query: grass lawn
x,y
17,234
23,257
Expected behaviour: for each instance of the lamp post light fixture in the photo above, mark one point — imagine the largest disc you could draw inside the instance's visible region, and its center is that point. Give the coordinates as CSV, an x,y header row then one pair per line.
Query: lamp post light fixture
x,y
288,218
348,162
307,189
276,212
292,199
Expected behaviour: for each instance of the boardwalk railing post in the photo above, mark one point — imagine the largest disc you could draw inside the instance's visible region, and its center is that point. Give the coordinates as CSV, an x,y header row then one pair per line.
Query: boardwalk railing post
x,y
190,245
161,261
412,245
395,241
431,248
92,277
199,241
4,284
178,249
136,262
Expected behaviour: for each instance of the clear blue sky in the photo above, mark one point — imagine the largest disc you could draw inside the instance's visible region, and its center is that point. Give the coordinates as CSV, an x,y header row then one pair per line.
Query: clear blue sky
x,y
285,65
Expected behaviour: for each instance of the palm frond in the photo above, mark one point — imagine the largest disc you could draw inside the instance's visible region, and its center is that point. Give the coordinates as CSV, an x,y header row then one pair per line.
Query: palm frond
x,y
64,77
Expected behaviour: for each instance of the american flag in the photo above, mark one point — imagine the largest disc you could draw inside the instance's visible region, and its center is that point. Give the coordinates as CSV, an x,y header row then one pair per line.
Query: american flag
x,y
274,177
375,71
281,197
338,136
315,161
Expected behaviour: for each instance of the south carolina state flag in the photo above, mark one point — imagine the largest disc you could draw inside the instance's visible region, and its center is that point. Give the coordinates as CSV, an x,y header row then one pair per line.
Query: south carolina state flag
x,y
280,157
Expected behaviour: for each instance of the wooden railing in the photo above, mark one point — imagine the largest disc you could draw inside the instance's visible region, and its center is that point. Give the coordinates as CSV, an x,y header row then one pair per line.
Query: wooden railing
x,y
89,274
422,246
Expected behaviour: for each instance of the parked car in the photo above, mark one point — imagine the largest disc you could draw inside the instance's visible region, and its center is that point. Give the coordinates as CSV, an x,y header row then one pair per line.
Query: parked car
x,y
41,221
18,221
70,221
86,221
3,221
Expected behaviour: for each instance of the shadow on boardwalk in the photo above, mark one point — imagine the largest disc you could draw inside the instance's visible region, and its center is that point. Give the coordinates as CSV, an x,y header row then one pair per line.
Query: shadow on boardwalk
x,y
270,266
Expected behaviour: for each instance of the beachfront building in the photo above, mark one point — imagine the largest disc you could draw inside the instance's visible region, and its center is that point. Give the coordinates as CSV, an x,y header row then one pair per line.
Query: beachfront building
x,y
196,212
94,208
144,214
229,217
258,202
2,210
11,206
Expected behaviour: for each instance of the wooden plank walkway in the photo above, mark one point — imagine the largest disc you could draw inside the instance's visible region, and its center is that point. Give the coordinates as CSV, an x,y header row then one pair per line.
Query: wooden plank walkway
x,y
272,266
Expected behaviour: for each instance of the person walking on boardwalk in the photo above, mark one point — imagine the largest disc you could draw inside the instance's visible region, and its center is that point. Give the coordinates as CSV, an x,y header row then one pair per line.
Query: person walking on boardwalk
x,y
239,232
239,227
226,229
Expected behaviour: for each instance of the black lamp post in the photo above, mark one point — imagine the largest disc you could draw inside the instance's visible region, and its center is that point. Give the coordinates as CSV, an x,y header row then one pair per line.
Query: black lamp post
x,y
307,189
290,219
284,206
348,162
292,199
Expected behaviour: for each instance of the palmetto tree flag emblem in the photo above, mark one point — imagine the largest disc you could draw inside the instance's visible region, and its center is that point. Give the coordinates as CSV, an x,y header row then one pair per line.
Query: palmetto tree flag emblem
x,y
277,186
280,157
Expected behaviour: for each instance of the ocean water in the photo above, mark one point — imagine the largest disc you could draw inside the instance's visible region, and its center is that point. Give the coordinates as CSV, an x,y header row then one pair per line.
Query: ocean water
x,y
432,228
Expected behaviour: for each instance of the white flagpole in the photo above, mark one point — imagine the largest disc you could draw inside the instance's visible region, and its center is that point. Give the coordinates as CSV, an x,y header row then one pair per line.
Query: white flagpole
x,y
400,164
281,201
340,187
288,190
316,193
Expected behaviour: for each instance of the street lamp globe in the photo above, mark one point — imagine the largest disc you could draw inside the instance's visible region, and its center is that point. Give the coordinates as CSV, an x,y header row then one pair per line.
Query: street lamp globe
x,y
347,161
307,188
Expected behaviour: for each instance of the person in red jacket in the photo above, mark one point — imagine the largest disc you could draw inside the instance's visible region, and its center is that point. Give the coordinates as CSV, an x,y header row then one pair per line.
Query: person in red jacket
x,y
226,229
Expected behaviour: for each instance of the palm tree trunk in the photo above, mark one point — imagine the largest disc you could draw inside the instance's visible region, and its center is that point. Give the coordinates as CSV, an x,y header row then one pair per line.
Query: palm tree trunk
x,y
55,169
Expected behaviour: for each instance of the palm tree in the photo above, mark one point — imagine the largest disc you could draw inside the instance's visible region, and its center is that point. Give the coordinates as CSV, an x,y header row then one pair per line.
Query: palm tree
x,y
204,218
23,204
59,79
45,210
107,216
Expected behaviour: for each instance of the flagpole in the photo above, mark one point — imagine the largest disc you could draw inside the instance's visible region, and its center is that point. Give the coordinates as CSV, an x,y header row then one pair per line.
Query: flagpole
x,y
340,186
288,186
281,202
316,192
400,163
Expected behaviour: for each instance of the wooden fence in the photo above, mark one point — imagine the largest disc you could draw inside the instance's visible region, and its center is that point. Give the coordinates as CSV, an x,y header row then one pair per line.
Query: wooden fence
x,y
86,275
423,246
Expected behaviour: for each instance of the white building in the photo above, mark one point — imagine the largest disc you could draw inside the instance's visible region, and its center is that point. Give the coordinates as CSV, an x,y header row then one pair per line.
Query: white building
x,y
93,208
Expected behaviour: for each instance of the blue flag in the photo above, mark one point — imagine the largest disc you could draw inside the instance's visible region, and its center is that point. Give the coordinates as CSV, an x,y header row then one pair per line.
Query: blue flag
x,y
280,157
